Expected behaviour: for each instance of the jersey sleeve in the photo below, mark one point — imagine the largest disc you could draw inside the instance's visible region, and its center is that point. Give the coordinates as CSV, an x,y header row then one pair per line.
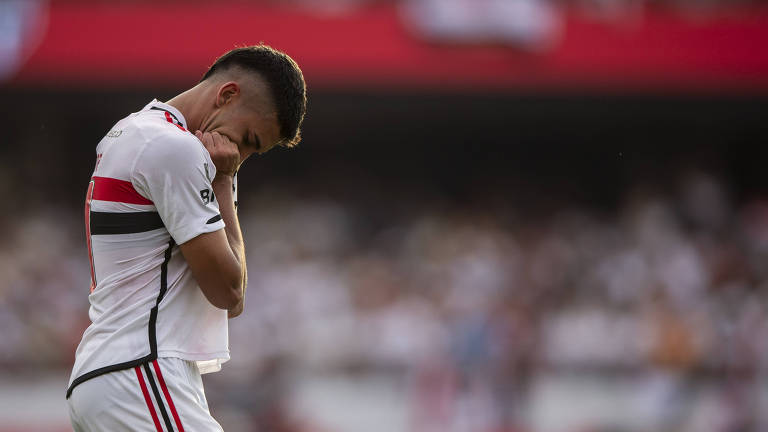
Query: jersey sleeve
x,y
175,173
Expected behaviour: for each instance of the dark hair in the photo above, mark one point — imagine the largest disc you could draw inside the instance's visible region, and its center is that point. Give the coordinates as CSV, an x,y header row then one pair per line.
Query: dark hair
x,y
285,81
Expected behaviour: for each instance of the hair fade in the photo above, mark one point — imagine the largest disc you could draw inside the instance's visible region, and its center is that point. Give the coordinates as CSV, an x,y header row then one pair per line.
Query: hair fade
x,y
284,79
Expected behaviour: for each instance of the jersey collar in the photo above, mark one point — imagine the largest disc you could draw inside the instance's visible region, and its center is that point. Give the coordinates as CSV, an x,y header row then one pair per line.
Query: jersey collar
x,y
156,104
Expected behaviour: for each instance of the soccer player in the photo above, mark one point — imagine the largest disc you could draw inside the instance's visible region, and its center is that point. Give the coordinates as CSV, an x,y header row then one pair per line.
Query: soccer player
x,y
167,255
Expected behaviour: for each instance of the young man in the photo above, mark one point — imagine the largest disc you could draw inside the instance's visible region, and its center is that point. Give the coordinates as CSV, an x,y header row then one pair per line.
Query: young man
x,y
167,256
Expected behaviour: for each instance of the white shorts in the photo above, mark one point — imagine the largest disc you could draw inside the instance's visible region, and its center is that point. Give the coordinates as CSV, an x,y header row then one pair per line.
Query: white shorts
x,y
164,395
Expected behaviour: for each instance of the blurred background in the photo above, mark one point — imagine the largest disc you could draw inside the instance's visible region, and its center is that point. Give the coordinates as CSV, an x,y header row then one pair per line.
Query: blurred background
x,y
505,215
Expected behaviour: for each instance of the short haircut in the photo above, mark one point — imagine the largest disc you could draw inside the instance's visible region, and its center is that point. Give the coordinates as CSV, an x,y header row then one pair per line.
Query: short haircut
x,y
284,79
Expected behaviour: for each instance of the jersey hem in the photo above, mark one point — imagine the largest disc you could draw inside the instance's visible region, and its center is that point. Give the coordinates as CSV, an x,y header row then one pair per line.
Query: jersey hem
x,y
107,369
221,355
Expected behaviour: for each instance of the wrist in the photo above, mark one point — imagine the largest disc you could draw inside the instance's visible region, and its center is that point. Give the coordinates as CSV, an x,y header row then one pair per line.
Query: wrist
x,y
223,178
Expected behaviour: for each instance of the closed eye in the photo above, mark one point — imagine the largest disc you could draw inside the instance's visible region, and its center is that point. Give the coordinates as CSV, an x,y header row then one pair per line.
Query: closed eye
x,y
251,140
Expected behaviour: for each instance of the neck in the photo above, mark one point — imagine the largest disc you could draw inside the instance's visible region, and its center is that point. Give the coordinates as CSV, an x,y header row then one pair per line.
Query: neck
x,y
188,103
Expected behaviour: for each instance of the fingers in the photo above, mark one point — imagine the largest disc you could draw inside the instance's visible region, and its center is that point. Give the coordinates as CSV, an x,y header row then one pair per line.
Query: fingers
x,y
215,140
206,139
224,153
218,140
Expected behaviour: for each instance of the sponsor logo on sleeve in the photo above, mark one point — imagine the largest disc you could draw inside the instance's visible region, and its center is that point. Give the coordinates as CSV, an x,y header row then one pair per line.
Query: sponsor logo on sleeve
x,y
207,196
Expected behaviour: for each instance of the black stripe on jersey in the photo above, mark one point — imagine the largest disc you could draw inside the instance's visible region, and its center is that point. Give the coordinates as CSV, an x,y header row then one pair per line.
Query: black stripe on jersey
x,y
214,219
152,333
163,289
124,223
158,398
172,115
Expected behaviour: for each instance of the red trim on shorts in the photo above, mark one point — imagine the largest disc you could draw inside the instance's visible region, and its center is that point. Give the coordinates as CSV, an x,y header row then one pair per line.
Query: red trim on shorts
x,y
111,189
170,120
167,395
147,399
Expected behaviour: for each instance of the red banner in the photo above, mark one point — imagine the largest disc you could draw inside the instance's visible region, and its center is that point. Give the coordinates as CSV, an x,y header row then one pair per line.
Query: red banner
x,y
167,43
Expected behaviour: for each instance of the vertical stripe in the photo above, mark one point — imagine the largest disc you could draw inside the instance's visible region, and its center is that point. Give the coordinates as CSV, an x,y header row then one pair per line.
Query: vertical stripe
x,y
88,197
163,289
158,398
147,399
167,396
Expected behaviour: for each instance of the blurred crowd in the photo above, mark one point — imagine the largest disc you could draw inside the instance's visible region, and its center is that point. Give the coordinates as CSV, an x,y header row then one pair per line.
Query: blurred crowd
x,y
474,311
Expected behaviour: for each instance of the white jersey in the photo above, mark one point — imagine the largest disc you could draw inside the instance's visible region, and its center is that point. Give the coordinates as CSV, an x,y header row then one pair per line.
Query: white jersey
x,y
150,192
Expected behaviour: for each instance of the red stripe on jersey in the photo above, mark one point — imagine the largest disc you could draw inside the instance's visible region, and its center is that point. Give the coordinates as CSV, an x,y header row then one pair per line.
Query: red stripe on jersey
x,y
109,189
167,396
170,120
147,399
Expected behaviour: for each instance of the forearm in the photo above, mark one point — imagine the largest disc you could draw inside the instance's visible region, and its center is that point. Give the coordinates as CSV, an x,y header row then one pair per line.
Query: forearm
x,y
222,189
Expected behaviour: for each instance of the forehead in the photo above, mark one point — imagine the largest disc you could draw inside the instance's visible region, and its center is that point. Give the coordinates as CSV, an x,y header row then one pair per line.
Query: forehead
x,y
263,124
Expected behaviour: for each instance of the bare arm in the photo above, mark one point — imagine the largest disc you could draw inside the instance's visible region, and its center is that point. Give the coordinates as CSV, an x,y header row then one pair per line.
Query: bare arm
x,y
222,188
217,259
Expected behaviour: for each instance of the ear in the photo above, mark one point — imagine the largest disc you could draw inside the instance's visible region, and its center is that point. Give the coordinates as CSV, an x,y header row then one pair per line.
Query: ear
x,y
227,93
